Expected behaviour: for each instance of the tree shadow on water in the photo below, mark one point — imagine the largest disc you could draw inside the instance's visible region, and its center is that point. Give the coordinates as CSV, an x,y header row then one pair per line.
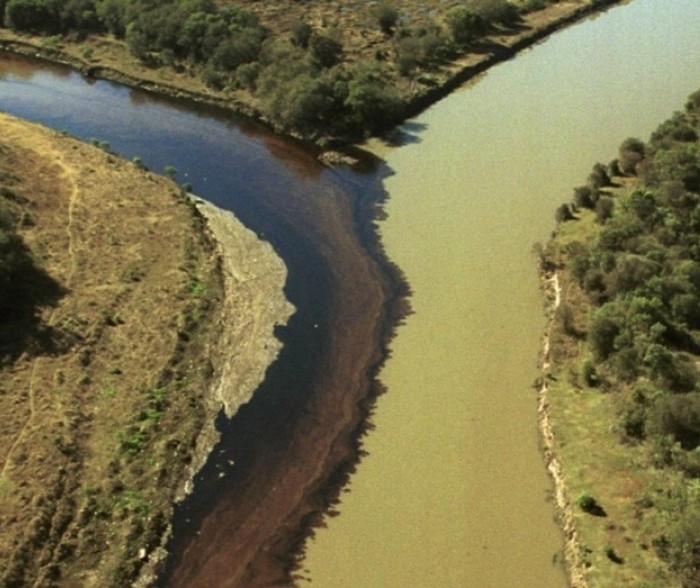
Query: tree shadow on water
x,y
405,134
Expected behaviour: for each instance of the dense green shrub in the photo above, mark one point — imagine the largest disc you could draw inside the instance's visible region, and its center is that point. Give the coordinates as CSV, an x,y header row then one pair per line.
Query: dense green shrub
x,y
641,272
237,50
371,101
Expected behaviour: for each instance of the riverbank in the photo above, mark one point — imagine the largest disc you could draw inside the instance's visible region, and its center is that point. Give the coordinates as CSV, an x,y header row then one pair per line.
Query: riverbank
x,y
574,565
103,57
121,379
620,367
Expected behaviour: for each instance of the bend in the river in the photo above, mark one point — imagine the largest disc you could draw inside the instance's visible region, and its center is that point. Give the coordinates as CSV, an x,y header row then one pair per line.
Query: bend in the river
x,y
459,398
285,455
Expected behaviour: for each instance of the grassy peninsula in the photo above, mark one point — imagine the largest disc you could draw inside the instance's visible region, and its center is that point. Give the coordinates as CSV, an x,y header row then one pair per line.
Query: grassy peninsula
x,y
122,305
623,381
319,70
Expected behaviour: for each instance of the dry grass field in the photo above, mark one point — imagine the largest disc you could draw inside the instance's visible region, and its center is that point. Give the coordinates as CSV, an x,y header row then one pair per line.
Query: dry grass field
x,y
106,389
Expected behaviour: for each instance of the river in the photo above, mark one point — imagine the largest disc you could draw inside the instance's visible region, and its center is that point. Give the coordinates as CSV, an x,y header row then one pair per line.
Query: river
x,y
294,443
452,492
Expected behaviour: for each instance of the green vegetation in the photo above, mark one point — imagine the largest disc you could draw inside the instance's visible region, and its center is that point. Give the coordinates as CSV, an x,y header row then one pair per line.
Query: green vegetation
x,y
303,77
629,260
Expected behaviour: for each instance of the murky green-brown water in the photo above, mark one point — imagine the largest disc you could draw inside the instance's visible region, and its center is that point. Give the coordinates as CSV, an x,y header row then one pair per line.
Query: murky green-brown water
x,y
453,493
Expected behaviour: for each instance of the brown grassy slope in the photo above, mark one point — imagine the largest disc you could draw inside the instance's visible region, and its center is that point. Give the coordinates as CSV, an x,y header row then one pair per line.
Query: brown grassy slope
x,y
102,409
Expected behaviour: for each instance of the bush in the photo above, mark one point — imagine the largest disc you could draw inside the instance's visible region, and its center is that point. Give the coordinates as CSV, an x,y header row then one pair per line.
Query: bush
x,y
681,548
247,75
213,78
589,374
604,209
588,504
585,197
563,214
603,332
371,102
599,177
612,555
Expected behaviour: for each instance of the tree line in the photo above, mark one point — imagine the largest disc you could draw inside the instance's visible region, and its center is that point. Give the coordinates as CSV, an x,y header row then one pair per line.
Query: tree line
x,y
301,82
640,272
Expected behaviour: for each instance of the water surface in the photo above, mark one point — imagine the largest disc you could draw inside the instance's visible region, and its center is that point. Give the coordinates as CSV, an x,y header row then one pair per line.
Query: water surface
x,y
453,492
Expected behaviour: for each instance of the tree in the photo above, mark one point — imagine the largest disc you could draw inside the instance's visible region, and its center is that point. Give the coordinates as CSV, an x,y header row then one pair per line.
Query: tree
x,y
496,10
370,100
464,24
604,330
31,15
112,14
301,34
632,152
243,47
304,104
387,17
325,50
